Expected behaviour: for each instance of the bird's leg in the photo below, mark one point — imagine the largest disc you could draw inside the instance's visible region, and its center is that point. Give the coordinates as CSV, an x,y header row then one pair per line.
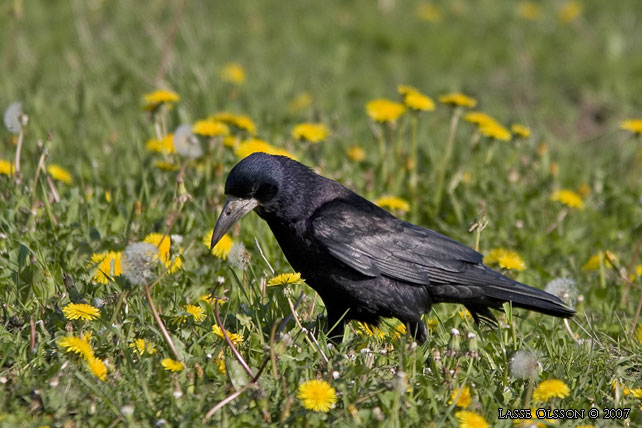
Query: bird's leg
x,y
417,329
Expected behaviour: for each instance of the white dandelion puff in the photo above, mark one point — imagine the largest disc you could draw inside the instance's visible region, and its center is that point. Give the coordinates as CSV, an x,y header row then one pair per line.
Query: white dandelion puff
x,y
564,288
186,143
524,365
139,262
14,118
238,256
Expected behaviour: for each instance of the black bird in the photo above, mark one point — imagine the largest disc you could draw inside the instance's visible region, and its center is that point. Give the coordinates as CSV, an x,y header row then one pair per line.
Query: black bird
x,y
364,262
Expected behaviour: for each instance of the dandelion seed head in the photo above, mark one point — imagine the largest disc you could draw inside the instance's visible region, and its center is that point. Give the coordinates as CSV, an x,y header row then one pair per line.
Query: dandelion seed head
x,y
186,143
238,256
564,288
13,117
524,365
139,262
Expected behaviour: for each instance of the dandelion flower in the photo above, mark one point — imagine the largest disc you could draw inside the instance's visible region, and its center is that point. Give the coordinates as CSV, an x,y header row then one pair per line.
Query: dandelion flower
x,y
166,166
83,311
139,260
495,130
607,258
220,363
6,167
633,125
505,259
365,329
78,345
468,419
300,102
524,365
196,311
164,251
240,121
464,397
142,346
356,154
233,72
211,299
164,145
108,266
158,97
551,388
222,247
414,99
317,395
256,145
210,128
458,99
59,173
286,279
529,10
638,333
98,368
234,337
521,131
568,198
429,12
570,11
14,117
432,323
185,142
238,256
383,110
312,132
393,203
399,330
479,118
172,365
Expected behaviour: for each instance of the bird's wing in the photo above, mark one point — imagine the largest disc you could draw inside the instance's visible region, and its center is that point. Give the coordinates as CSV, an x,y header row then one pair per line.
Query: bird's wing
x,y
373,242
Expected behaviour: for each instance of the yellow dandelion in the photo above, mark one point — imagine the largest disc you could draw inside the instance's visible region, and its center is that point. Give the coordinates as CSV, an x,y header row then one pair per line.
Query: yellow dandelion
x,y
300,102
365,329
607,257
465,314
164,247
522,131
458,99
528,10
551,388
234,337
468,419
142,347
383,110
172,365
222,247
462,395
506,259
568,198
240,121
399,330
638,333
495,130
432,323
220,362
164,145
108,196
210,128
255,145
479,118
6,167
285,279
393,203
108,266
584,190
356,154
230,141
570,11
59,173
98,368
196,311
317,395
166,166
633,125
158,97
312,132
233,72
211,299
414,99
83,311
429,12
77,345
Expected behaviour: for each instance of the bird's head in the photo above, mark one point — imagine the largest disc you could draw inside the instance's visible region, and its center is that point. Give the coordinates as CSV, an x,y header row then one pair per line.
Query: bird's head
x,y
254,182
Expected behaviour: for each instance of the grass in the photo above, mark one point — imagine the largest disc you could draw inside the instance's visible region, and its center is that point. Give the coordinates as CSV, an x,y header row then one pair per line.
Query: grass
x,y
81,69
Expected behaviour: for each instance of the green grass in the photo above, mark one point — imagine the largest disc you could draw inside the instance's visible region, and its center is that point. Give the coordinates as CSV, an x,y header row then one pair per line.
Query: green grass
x,y
81,69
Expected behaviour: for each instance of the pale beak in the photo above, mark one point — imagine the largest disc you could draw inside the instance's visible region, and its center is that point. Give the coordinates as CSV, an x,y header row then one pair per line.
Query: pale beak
x,y
233,210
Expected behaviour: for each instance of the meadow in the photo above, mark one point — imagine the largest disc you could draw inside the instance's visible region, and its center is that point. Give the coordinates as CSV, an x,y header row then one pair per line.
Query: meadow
x,y
512,126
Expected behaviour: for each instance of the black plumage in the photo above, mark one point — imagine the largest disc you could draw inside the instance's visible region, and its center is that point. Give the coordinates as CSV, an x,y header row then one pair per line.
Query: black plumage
x,y
364,262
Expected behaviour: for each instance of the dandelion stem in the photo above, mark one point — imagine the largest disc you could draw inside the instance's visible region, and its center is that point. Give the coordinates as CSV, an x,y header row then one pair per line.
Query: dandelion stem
x,y
441,174
414,162
161,325
19,151
119,304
